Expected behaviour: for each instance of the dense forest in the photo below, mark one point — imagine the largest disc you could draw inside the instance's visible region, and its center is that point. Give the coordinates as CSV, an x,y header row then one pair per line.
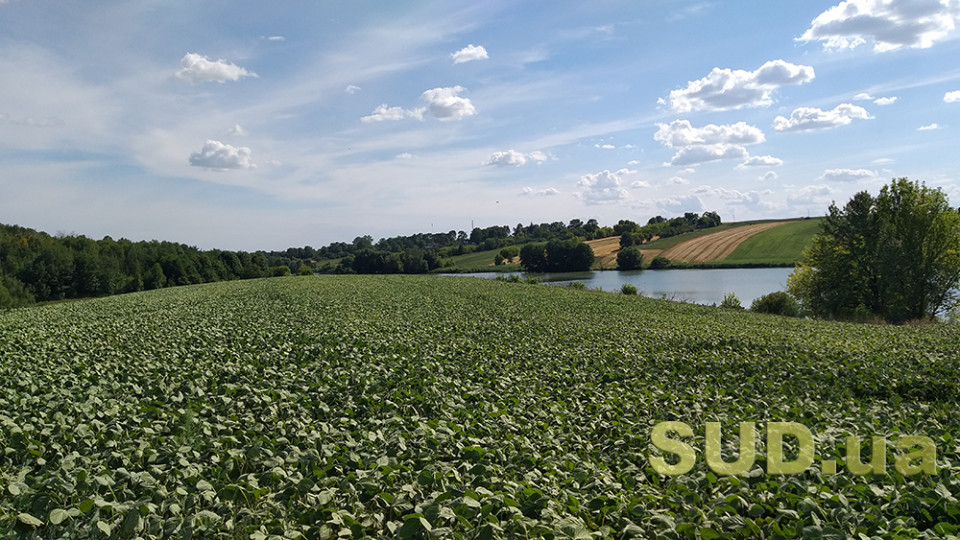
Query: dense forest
x,y
38,267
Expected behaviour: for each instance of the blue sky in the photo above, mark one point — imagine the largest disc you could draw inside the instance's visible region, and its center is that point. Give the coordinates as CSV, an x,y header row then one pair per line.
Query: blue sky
x,y
252,125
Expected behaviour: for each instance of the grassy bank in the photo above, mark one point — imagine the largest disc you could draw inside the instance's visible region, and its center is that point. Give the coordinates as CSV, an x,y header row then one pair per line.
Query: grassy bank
x,y
419,406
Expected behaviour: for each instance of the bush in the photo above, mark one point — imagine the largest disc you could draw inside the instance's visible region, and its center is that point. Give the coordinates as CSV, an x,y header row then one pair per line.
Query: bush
x,y
628,289
579,285
776,303
659,263
304,270
629,258
730,301
497,259
279,271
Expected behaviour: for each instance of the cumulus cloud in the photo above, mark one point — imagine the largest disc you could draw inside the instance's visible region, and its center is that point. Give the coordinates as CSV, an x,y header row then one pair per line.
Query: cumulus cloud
x,y
384,113
405,156
761,161
196,69
679,180
218,156
768,176
446,104
952,97
352,89
546,192
726,88
680,133
512,158
680,204
639,184
237,130
469,53
604,186
885,100
847,175
808,118
929,127
818,194
604,146
887,24
746,198
709,143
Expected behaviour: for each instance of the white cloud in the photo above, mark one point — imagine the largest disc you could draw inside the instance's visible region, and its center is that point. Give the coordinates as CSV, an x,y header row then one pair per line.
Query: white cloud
x,y
761,161
747,198
405,155
276,38
237,130
847,175
726,88
690,155
352,89
605,146
469,53
639,184
510,158
680,133
820,194
886,100
807,118
604,186
863,96
709,143
769,176
678,180
952,97
446,104
221,157
537,156
196,69
515,159
888,24
929,127
546,192
384,113
680,204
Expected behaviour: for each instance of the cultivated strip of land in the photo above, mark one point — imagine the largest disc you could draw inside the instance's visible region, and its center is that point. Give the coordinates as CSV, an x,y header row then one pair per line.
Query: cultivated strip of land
x,y
716,246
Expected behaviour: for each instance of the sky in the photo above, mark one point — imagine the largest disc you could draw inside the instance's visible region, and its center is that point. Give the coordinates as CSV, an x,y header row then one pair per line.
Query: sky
x,y
249,125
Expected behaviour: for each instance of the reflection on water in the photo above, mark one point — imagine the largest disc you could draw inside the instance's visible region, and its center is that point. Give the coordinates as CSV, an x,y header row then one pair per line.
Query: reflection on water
x,y
693,285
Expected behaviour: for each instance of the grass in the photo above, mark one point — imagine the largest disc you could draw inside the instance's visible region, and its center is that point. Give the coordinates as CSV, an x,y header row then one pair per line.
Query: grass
x,y
478,261
782,244
435,406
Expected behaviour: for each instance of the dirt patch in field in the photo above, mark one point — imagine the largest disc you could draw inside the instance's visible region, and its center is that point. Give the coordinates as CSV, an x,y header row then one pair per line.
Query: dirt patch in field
x,y
605,250
717,246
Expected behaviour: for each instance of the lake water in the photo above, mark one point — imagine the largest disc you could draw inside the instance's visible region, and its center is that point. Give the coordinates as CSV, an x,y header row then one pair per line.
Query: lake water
x,y
690,285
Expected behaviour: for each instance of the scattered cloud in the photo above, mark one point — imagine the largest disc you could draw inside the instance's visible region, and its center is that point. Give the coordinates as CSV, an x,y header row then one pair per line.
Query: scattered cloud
x,y
761,161
768,176
237,130
512,158
546,192
446,104
276,38
883,161
747,198
196,69
218,156
639,184
678,180
725,89
29,121
888,24
863,96
470,53
809,118
604,146
952,97
847,175
383,113
405,155
679,204
818,194
709,143
886,100
604,186
352,89
929,127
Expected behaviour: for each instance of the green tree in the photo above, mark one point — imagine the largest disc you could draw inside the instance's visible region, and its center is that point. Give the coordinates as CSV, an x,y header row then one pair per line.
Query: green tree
x,y
629,258
895,257
776,303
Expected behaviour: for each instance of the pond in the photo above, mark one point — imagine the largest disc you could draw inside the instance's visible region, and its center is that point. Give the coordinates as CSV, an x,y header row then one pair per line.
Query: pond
x,y
690,285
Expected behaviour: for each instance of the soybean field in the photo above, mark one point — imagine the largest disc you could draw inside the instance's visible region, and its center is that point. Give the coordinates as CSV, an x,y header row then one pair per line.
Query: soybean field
x,y
449,407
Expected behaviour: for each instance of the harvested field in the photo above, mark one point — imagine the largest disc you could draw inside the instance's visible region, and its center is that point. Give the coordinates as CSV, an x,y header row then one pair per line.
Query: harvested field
x,y
716,246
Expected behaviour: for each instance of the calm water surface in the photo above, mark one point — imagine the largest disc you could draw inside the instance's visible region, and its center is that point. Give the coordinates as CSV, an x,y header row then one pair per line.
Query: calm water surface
x,y
693,285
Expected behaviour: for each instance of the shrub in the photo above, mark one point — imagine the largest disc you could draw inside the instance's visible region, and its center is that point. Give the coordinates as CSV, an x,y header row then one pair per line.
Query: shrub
x,y
659,263
776,303
304,270
498,259
628,289
629,258
730,301
579,285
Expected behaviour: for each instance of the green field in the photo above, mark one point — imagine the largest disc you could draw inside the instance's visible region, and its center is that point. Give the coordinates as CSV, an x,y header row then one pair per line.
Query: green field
x,y
478,261
434,406
781,245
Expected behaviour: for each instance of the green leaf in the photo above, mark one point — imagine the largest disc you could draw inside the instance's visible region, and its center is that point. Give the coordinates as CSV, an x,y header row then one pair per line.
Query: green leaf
x,y
58,516
28,519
